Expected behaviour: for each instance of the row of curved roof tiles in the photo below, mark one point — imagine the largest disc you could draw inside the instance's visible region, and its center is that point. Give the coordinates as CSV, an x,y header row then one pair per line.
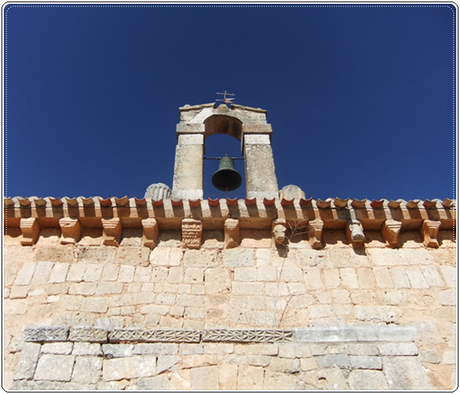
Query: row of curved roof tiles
x,y
328,203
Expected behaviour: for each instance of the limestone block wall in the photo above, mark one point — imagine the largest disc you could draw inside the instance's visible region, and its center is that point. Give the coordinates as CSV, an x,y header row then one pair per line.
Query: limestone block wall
x,y
350,295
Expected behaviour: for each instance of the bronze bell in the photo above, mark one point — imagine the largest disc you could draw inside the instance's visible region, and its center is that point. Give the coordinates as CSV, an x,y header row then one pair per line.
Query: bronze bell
x,y
226,178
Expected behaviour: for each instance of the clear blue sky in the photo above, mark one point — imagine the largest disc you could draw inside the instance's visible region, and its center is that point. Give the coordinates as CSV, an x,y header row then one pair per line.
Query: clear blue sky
x,y
361,98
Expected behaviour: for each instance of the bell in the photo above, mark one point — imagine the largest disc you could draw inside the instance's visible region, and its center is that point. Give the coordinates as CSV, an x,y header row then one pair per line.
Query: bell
x,y
226,178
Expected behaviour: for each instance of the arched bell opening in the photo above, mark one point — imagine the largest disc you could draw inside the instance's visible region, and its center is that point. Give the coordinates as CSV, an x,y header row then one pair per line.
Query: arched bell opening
x,y
223,124
217,146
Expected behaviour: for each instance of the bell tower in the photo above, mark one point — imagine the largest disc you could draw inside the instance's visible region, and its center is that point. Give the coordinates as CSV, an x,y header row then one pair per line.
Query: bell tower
x,y
248,125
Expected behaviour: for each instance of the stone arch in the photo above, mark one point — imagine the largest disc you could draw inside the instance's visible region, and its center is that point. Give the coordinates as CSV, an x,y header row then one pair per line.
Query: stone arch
x,y
223,124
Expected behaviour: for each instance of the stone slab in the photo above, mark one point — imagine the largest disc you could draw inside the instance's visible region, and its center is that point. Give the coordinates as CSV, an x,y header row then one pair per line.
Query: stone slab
x,y
354,334
54,367
27,361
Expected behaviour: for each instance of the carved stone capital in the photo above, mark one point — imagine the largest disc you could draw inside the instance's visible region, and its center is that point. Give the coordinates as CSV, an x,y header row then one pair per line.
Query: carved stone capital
x,y
191,233
390,233
150,232
315,233
70,230
355,233
429,232
232,233
30,230
279,231
111,231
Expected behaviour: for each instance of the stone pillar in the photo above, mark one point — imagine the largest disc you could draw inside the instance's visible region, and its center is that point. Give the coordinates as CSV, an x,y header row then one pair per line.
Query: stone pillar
x,y
188,167
259,167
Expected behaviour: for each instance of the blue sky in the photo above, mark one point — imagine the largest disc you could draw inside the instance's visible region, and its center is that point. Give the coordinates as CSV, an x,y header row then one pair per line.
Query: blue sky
x,y
361,98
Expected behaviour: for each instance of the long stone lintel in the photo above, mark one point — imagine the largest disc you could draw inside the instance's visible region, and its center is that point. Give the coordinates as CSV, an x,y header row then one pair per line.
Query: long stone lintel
x,y
305,334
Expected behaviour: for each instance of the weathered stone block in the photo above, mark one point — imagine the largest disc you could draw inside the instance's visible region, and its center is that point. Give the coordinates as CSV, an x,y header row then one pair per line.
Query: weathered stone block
x,y
312,278
166,362
398,349
384,313
156,383
54,367
250,378
25,368
86,349
132,255
282,381
286,365
87,369
416,278
58,273
450,275
109,288
83,288
94,304
366,362
57,348
46,334
25,274
349,278
41,272
205,378
333,361
128,367
240,257
405,373
367,380
126,274
447,297
118,350
217,280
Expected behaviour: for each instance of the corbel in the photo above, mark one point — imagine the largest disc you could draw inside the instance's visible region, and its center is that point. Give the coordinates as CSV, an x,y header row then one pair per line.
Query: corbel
x,y
429,233
111,231
279,231
30,230
355,233
390,232
191,233
315,233
70,230
232,233
150,232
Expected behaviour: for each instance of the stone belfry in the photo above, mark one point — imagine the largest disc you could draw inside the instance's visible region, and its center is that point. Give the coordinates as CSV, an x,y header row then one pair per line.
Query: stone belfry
x,y
248,125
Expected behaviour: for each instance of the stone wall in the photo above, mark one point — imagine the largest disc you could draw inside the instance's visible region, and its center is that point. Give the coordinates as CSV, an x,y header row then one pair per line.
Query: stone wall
x,y
350,295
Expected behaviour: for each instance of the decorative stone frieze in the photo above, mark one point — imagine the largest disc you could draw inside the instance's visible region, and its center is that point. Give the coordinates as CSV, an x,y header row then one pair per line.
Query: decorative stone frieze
x,y
70,230
355,233
429,232
231,233
191,233
279,231
87,334
246,335
150,232
111,231
30,230
315,233
46,334
156,335
390,233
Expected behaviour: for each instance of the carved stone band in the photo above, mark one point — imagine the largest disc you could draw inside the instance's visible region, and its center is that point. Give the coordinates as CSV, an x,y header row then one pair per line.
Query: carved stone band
x,y
165,335
46,334
254,335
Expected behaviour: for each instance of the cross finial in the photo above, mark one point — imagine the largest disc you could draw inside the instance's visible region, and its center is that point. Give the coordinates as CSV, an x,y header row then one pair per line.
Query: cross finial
x,y
226,100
